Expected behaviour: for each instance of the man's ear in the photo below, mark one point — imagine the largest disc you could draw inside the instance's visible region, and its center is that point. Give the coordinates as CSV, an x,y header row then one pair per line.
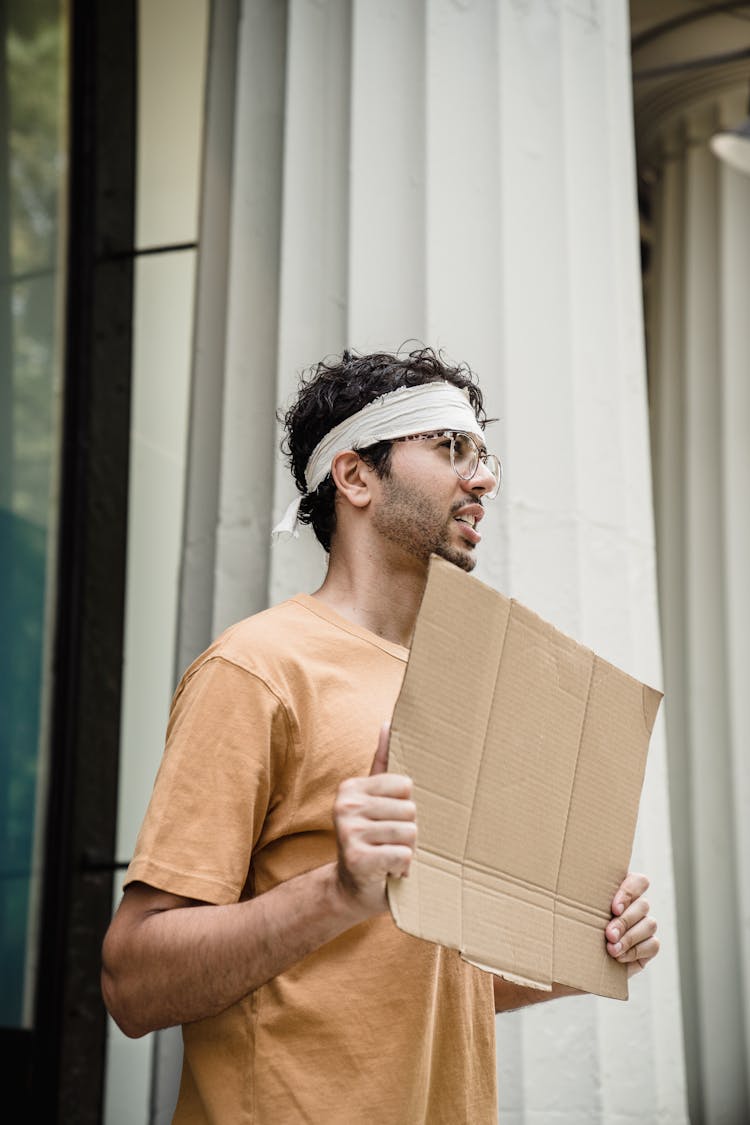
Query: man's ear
x,y
352,477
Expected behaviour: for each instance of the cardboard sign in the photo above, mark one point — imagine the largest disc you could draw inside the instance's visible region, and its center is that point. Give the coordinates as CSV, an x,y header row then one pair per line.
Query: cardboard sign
x,y
527,752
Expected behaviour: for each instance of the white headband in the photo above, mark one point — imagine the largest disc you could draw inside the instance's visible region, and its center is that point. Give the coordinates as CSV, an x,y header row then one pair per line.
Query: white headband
x,y
407,410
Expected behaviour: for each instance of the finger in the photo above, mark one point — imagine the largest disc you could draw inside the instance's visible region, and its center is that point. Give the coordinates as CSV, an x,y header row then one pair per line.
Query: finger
x,y
374,833
618,927
357,792
635,937
397,860
647,952
380,761
363,868
631,888
365,864
640,955
389,808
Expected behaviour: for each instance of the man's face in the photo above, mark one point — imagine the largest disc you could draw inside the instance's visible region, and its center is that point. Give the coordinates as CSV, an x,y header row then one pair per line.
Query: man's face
x,y
425,508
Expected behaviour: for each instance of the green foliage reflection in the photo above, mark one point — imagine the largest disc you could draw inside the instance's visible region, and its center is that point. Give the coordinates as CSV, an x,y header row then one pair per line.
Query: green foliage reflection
x,y
32,175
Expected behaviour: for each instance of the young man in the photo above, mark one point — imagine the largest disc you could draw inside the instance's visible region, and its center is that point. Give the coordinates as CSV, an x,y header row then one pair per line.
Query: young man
x,y
254,912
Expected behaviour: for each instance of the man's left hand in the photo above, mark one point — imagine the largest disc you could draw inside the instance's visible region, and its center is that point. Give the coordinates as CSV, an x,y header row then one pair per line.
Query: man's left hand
x,y
630,934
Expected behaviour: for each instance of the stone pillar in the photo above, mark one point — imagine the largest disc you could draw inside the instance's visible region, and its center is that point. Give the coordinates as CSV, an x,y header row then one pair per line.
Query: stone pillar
x,y
734,254
461,172
700,360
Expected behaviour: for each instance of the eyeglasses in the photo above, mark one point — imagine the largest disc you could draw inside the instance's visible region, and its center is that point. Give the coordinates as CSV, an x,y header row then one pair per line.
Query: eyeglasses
x,y
466,455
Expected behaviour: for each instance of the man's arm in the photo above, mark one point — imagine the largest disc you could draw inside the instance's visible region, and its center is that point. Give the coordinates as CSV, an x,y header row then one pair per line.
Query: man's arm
x,y
630,939
170,960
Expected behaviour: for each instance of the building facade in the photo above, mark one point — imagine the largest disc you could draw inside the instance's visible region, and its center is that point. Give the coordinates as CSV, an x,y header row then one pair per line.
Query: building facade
x,y
218,195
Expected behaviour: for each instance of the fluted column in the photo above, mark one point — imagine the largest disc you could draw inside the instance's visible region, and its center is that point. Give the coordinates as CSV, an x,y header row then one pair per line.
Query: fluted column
x,y
734,242
461,172
487,206
700,361
315,233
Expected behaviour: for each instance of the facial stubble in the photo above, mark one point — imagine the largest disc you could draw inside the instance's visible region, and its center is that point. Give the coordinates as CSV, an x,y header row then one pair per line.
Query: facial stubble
x,y
415,522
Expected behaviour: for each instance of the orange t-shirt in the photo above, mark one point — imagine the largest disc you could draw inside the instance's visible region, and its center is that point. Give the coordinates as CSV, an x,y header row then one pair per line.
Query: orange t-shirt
x,y
376,1027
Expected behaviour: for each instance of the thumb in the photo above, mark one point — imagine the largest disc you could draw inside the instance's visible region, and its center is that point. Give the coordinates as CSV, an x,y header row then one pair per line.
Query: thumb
x,y
380,761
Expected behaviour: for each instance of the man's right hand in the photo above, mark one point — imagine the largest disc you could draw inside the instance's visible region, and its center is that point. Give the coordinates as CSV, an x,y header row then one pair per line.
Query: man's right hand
x,y
376,831
169,959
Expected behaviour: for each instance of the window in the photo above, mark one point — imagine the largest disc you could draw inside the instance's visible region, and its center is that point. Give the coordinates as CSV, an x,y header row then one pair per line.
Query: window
x,y
33,128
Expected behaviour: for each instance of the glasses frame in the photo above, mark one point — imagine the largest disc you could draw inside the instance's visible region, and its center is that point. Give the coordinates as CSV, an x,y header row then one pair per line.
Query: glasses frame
x,y
482,456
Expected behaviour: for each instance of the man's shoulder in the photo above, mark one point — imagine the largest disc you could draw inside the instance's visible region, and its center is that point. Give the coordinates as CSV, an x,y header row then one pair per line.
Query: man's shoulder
x,y
263,647
272,631
292,644
284,634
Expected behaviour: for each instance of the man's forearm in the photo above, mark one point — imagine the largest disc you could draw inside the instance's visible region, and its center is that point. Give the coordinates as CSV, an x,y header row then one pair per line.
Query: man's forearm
x,y
174,966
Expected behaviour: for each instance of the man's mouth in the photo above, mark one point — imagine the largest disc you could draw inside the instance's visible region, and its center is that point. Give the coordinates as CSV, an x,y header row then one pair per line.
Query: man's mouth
x,y
468,518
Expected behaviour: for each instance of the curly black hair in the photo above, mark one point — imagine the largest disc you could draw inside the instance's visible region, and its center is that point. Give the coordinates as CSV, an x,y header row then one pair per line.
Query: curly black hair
x,y
338,387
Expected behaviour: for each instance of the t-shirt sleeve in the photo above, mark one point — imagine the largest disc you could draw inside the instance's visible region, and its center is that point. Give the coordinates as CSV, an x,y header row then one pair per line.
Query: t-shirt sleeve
x,y
227,742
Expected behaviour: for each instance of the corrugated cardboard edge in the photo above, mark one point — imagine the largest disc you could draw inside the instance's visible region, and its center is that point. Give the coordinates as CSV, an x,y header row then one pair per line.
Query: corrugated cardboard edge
x,y
511,977
611,977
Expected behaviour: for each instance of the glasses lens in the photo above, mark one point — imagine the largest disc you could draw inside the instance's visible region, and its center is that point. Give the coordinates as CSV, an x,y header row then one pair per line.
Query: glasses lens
x,y
464,456
493,464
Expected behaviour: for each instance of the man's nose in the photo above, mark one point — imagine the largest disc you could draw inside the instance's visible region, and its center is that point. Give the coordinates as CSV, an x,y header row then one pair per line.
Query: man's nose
x,y
482,481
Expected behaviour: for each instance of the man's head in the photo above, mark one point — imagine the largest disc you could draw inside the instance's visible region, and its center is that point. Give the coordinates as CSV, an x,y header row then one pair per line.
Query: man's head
x,y
335,390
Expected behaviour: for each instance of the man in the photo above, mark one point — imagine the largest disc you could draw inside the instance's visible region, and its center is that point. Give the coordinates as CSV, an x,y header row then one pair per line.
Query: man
x,y
254,912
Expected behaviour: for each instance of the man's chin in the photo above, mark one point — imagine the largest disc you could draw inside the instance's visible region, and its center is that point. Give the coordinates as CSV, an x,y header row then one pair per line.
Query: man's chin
x,y
465,560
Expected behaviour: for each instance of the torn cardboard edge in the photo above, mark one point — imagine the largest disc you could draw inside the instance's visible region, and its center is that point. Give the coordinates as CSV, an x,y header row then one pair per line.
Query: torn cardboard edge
x,y
527,752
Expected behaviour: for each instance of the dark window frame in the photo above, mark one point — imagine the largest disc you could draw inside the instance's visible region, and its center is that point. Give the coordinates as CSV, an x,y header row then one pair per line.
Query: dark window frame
x,y
57,1069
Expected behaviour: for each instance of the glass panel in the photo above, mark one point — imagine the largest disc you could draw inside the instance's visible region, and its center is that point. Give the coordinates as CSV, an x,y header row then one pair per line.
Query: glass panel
x,y
33,114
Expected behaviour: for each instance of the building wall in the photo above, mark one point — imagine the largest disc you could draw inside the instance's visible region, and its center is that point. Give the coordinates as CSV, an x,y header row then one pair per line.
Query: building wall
x,y
171,102
460,173
698,237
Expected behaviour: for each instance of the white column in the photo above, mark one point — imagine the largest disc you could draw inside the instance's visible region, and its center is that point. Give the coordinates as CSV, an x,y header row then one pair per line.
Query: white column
x,y
248,445
735,469
465,205
461,171
387,276
578,500
314,296
700,363
714,911
205,436
668,411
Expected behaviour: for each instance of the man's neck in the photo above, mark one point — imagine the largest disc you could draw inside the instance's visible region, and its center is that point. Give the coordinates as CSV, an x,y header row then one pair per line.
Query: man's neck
x,y
378,595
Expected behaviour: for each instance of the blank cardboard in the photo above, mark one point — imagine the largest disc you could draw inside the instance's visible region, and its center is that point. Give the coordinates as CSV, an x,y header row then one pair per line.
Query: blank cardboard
x,y
527,752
